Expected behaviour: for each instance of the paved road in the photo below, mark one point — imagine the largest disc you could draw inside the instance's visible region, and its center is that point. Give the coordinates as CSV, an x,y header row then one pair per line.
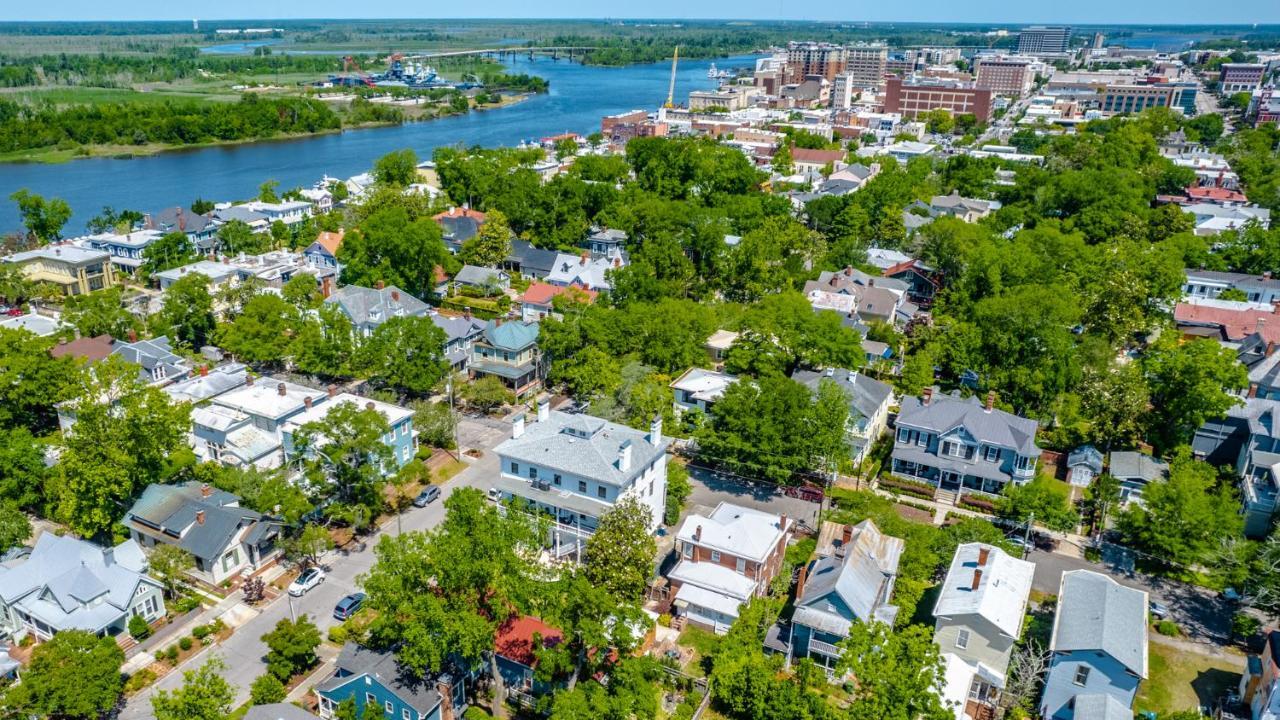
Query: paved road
x,y
244,651
710,490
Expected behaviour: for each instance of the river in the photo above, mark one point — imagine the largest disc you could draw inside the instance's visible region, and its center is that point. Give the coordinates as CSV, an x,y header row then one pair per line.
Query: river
x,y
579,96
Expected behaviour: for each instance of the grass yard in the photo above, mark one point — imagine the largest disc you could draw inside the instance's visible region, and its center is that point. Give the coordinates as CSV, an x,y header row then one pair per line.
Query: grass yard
x,y
1181,680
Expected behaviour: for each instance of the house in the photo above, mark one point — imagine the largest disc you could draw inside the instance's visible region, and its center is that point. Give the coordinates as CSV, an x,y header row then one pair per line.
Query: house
x,y
402,439
869,401
242,427
382,688
698,389
516,644
851,580
127,250
537,300
218,273
458,226
482,278
1211,218
201,230
1229,320
257,222
1258,462
225,539
324,251
584,270
1260,685
978,619
278,711
718,345
1262,288
530,261
885,258
850,179
1099,644
725,559
459,334
88,349
74,270
38,325
208,383
158,364
963,444
1083,465
874,352
860,296
508,351
606,242
289,212
1134,471
811,162
71,584
367,308
966,209
923,282
576,467
903,151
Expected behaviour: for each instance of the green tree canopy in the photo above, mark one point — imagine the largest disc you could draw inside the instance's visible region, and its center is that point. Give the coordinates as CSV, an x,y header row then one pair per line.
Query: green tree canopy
x,y
73,676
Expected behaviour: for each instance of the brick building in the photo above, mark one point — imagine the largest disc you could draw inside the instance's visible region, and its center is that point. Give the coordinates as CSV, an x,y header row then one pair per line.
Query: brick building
x,y
911,100
811,58
1240,77
1004,75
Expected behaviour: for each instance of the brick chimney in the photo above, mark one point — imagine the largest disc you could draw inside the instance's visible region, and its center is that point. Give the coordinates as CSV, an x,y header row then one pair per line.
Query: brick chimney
x,y
307,401
846,535
199,517
368,405
248,379
280,389
332,390
379,285
582,259
977,579
782,522
800,580
395,296
133,335
444,686
204,371
982,557
926,397
697,534
991,401
206,491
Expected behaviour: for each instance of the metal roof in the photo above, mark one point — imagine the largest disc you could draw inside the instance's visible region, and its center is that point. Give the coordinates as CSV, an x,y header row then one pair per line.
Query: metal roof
x,y
860,573
1002,589
583,445
740,531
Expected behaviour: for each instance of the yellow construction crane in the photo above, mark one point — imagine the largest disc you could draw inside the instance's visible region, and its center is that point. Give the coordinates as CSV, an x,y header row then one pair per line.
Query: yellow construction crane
x,y
671,89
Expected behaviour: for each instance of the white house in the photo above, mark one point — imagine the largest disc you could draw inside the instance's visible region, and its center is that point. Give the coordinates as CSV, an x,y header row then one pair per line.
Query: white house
x,y
699,389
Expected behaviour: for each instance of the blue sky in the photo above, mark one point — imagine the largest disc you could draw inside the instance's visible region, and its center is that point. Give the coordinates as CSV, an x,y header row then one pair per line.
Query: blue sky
x,y
985,11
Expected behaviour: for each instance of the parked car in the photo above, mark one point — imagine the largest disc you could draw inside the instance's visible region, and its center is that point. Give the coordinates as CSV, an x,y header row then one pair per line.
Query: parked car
x,y
348,605
1159,611
1231,595
495,494
310,578
428,495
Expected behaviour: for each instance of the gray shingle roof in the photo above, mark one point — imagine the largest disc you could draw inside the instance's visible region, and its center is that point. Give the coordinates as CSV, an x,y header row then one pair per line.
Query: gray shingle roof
x,y
356,661
583,445
1086,455
1128,464
532,260
866,394
371,306
167,510
475,275
1098,613
150,354
948,412
278,711
1101,706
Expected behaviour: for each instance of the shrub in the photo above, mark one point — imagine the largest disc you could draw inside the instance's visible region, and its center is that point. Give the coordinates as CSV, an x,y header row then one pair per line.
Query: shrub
x,y
139,680
139,628
267,689
1244,625
185,644
171,653
1168,628
200,632
338,634
979,504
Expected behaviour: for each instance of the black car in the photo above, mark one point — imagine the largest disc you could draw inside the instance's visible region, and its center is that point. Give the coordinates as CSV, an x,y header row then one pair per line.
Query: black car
x,y
428,495
348,605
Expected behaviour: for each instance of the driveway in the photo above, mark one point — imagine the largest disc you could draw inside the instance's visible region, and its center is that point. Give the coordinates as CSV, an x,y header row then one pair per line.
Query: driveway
x,y
244,651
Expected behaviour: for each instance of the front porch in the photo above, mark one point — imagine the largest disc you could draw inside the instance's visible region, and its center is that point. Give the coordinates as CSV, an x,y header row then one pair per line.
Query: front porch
x,y
948,481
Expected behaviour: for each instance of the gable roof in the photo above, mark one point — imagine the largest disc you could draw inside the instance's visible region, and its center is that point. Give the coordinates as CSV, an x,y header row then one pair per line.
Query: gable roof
x,y
514,639
583,445
374,306
736,530
945,413
151,354
328,241
1002,587
1127,464
1086,455
475,275
357,662
1098,613
532,260
1100,706
811,156
860,573
866,394
702,384
278,711
169,513
540,293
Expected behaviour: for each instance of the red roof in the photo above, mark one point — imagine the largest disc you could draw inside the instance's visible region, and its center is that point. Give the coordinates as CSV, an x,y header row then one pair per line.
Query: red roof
x,y
514,640
1235,324
816,157
330,241
541,293
91,349
460,212
1215,193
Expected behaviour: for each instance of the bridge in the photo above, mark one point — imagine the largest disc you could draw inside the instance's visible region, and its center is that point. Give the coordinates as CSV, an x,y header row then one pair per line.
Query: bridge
x,y
569,51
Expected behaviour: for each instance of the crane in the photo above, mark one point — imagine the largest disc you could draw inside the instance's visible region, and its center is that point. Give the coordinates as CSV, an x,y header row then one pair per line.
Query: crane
x,y
349,62
671,89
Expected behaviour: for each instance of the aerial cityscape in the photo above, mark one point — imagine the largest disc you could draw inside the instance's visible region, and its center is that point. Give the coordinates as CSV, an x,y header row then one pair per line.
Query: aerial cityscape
x,y
527,366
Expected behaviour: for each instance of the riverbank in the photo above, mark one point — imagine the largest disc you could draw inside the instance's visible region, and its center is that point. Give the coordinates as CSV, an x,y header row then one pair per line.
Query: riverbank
x,y
57,155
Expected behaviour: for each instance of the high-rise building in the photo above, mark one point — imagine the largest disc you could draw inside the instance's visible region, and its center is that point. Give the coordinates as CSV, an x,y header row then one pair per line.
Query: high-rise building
x,y
842,92
811,58
1003,75
865,65
912,100
1044,39
1241,77
1099,40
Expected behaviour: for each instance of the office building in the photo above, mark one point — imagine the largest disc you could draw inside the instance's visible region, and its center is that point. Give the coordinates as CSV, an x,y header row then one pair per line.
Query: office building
x,y
1038,39
1240,77
1004,75
912,100
811,58
865,65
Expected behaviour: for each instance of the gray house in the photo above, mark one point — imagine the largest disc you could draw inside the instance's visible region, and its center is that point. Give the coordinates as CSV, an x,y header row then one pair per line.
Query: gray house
x,y
1099,645
482,278
1083,465
70,584
962,444
869,401
158,363
367,308
1135,471
225,539
459,333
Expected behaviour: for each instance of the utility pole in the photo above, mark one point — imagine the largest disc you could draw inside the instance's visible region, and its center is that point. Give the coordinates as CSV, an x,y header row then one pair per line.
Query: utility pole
x,y
1026,536
453,420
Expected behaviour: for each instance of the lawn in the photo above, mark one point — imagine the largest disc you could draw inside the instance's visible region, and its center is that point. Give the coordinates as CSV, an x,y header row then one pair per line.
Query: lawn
x,y
1180,680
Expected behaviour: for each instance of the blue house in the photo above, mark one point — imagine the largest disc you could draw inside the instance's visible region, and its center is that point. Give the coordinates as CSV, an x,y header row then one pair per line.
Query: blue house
x,y
323,253
1099,645
402,438
850,581
382,688
516,644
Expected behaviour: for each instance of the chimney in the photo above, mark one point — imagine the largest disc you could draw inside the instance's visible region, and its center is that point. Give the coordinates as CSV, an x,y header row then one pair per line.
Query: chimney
x,y
982,556
467,314
848,271
926,397
977,579
846,535
517,426
133,335
544,409
280,389
1271,348
697,534
991,400
782,522
444,686
199,517
379,285
395,296
204,371
307,401
333,390
800,580
655,430
248,379
582,259
206,491
624,456
368,405
1266,274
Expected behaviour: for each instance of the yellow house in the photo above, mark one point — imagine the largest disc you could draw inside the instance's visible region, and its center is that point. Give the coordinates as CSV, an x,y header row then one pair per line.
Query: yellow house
x,y
74,269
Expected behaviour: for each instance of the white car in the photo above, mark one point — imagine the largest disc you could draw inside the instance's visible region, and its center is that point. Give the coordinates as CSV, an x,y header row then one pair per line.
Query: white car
x,y
310,578
494,494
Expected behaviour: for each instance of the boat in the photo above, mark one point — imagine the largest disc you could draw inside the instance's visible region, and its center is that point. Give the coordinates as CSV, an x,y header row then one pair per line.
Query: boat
x,y
715,74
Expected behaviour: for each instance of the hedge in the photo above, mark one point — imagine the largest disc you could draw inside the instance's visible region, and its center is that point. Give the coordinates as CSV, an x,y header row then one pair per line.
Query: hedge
x,y
980,504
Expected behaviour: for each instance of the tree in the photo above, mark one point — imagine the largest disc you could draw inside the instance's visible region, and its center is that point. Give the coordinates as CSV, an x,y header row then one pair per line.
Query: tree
x,y
325,343
1190,383
781,161
22,469
1045,499
566,147
42,218
291,647
1264,582
170,250
487,394
620,554
31,382
204,695
312,542
267,191
169,564
200,206
398,168
263,332
491,244
127,435
939,121
100,313
1027,669
187,312
267,690
1183,519
441,595
435,423
237,237
346,460
1103,495
73,676
15,528
1115,400
590,373
898,673
396,249
782,333
405,352
678,490
301,291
